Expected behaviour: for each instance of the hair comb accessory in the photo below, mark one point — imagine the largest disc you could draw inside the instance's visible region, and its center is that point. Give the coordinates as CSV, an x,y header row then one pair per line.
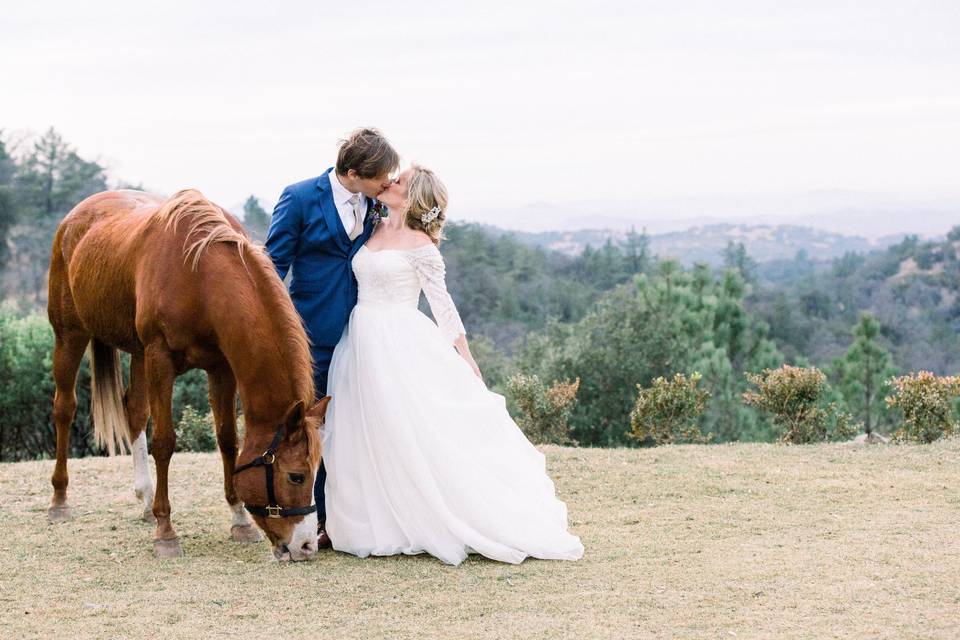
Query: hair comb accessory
x,y
430,216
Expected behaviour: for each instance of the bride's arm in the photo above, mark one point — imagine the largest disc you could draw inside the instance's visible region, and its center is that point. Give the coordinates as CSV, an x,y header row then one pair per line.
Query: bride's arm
x,y
431,271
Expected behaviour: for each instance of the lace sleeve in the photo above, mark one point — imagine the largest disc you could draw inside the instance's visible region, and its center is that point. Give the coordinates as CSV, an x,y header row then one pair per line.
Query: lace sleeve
x,y
431,271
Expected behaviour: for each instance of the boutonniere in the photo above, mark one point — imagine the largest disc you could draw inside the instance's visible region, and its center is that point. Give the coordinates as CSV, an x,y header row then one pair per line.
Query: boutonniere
x,y
378,212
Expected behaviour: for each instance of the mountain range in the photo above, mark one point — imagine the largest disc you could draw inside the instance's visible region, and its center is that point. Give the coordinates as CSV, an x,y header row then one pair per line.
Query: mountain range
x,y
823,225
763,242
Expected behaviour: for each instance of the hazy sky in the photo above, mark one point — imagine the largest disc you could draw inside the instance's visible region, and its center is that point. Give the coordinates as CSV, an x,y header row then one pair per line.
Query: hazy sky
x,y
510,102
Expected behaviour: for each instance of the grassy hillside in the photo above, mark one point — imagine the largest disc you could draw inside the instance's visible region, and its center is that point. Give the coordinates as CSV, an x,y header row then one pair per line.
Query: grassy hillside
x,y
692,542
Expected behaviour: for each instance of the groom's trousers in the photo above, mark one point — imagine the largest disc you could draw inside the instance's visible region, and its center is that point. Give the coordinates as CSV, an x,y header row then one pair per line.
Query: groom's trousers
x,y
321,365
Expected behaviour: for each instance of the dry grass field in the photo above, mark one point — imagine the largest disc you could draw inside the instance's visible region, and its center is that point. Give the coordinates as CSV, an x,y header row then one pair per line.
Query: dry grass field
x,y
735,541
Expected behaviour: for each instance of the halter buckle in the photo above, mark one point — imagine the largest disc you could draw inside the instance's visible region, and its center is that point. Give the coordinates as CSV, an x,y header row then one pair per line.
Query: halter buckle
x,y
273,511
268,457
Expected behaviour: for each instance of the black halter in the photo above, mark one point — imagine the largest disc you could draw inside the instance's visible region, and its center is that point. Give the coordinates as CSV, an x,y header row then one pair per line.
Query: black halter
x,y
265,460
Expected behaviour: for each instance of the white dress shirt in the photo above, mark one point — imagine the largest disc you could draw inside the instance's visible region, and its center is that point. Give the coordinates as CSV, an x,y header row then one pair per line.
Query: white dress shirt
x,y
341,198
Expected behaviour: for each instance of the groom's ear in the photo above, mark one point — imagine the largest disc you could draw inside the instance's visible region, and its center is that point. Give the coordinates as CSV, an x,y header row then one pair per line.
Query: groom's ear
x,y
319,410
293,421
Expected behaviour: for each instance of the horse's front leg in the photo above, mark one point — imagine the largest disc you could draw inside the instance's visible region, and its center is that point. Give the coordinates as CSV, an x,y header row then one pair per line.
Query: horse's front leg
x,y
160,374
222,386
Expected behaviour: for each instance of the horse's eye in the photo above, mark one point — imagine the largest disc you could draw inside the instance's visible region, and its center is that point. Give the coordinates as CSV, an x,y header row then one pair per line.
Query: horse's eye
x,y
296,478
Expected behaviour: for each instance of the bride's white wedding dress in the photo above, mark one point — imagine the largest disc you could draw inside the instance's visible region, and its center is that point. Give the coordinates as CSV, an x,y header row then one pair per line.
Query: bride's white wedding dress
x,y
420,455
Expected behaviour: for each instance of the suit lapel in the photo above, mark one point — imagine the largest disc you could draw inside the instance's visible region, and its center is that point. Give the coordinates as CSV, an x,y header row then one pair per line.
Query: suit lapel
x,y
329,208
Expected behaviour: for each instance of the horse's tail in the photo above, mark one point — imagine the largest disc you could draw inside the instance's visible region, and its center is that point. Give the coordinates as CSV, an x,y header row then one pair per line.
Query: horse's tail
x,y
106,399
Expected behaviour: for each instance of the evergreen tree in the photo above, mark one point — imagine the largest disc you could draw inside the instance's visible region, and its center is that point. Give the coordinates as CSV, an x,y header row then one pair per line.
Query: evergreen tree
x,y
863,373
50,180
735,257
255,219
738,344
671,321
637,250
7,211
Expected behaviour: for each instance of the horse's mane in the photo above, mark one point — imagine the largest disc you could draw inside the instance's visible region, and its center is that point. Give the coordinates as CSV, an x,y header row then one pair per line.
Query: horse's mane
x,y
208,224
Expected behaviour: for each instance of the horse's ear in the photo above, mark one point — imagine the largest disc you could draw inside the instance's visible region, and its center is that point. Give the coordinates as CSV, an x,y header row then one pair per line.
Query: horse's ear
x,y
319,409
293,421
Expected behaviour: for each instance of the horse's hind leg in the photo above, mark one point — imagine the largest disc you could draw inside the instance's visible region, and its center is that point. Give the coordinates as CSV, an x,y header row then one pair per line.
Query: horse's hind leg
x,y
135,403
67,354
222,387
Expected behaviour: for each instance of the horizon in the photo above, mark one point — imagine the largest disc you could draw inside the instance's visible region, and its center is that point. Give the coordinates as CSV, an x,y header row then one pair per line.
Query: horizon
x,y
851,215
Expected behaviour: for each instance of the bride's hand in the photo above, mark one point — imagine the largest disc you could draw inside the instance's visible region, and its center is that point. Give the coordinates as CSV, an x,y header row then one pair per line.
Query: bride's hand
x,y
476,369
460,344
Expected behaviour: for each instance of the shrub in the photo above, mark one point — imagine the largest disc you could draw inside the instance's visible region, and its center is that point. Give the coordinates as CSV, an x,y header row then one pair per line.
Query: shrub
x,y
492,361
195,432
667,411
794,397
545,411
190,389
26,391
927,404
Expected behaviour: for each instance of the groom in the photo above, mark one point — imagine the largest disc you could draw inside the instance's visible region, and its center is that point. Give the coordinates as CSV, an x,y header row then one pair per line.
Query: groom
x,y
317,227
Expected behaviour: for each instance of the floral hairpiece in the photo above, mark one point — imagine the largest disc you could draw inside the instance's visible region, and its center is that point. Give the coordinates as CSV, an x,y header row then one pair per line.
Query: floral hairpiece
x,y
430,216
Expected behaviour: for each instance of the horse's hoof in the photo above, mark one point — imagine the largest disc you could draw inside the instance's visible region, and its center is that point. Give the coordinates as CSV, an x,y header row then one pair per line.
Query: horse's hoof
x,y
148,516
59,514
167,548
245,533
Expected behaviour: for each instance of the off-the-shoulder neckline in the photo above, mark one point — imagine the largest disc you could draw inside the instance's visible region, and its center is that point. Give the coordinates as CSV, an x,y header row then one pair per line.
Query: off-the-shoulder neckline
x,y
420,248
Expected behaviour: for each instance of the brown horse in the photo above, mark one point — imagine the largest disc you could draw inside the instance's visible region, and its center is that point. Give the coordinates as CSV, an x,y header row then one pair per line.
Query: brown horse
x,y
177,285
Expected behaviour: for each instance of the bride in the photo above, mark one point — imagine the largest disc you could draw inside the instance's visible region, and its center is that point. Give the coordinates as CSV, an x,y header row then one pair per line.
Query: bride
x,y
420,456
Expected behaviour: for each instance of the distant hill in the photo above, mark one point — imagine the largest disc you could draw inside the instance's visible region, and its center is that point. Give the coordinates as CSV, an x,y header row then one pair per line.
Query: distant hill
x,y
860,213
764,243
912,287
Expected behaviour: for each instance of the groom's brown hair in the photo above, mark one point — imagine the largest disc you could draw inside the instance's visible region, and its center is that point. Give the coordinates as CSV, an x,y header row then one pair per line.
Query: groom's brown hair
x,y
368,153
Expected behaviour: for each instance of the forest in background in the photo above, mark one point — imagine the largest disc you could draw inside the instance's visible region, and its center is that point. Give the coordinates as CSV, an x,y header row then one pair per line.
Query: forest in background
x,y
613,316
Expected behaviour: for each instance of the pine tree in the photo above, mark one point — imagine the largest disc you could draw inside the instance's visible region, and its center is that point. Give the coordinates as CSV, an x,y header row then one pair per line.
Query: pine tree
x,y
735,256
49,182
637,250
863,372
666,322
7,211
255,219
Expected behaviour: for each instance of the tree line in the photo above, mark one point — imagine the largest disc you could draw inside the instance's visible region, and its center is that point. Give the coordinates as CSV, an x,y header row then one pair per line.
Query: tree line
x,y
591,327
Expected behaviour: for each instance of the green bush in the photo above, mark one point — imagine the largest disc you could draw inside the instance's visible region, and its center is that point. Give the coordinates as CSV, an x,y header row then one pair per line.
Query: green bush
x,y
545,412
927,402
667,411
493,363
195,431
659,323
190,389
26,391
794,397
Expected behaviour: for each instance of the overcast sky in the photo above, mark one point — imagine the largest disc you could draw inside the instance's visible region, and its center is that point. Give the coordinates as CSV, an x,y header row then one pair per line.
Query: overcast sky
x,y
510,102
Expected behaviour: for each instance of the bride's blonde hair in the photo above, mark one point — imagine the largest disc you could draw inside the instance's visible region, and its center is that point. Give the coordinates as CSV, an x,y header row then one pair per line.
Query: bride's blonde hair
x,y
426,193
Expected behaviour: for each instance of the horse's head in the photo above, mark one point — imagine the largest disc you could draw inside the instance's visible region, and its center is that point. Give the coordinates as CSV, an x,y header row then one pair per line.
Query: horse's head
x,y
275,481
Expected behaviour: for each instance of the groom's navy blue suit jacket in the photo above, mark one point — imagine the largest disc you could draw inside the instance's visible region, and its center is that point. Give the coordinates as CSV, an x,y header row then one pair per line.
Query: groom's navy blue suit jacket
x,y
306,233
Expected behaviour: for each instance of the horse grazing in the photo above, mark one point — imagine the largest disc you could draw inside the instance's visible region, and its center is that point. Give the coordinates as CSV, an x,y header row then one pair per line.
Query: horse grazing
x,y
178,285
